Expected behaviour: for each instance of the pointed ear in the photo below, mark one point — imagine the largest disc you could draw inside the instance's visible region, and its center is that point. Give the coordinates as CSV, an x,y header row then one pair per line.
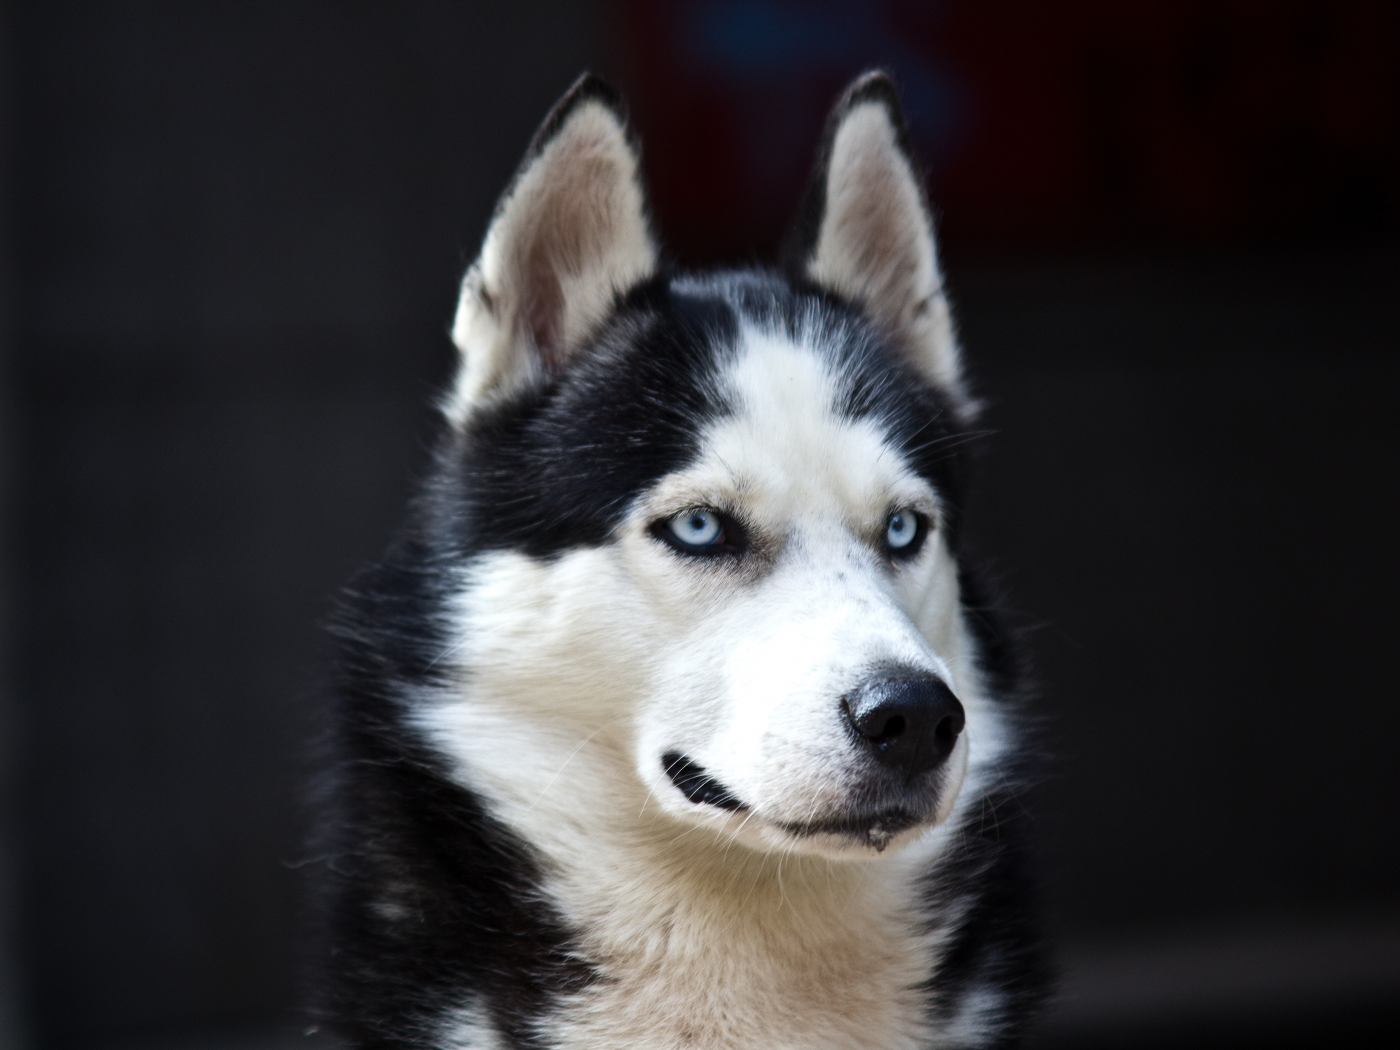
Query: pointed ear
x,y
865,232
569,235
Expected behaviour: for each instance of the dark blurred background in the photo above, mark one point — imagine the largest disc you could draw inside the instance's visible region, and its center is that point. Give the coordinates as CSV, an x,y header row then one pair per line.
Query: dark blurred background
x,y
231,236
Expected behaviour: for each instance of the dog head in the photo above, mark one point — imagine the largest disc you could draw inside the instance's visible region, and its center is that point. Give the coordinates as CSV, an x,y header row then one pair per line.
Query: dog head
x,y
703,528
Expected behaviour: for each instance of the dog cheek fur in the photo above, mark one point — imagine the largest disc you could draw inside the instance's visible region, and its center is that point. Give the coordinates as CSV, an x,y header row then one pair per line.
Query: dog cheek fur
x,y
548,655
654,910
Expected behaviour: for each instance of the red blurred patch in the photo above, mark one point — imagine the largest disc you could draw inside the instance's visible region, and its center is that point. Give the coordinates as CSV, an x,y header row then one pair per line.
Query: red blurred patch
x,y
1079,123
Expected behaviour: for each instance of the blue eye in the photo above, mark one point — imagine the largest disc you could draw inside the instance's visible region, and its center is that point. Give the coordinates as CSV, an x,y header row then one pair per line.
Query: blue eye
x,y
696,528
903,529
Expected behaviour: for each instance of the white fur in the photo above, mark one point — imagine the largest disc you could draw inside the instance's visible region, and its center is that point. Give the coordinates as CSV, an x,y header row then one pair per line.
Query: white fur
x,y
470,1028
977,1020
715,928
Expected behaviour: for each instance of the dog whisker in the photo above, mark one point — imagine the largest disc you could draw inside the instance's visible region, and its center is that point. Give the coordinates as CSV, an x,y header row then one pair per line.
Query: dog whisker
x,y
559,772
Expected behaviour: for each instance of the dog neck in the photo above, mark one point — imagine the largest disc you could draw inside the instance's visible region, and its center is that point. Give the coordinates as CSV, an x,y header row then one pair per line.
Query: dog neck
x,y
702,941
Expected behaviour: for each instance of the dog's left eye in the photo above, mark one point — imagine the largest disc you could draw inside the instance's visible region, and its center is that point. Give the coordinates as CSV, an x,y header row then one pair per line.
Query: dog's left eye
x,y
903,531
699,529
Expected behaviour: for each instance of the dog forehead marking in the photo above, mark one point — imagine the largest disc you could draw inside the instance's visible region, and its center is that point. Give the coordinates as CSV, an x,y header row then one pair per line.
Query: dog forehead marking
x,y
787,449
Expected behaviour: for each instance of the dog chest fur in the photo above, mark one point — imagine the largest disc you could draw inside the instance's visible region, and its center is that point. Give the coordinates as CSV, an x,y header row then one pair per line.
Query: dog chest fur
x,y
739,949
808,956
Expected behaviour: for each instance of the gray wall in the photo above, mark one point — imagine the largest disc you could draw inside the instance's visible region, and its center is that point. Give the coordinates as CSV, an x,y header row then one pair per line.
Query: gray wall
x,y
12,1034
235,234
241,228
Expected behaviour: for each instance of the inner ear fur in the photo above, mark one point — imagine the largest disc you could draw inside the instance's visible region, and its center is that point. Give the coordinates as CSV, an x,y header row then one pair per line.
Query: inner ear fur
x,y
569,235
865,231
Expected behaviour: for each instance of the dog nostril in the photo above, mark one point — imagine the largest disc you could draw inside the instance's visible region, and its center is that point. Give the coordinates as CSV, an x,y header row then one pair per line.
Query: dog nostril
x,y
947,731
892,729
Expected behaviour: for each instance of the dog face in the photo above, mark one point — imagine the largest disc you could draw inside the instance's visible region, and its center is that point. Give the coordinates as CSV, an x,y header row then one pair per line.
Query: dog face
x,y
809,585
709,574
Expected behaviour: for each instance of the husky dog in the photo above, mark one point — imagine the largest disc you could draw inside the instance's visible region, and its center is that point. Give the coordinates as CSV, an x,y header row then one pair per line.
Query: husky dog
x,y
671,718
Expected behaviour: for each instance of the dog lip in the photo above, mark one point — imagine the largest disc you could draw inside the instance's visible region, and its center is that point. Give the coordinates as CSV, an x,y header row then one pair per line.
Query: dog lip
x,y
697,785
885,823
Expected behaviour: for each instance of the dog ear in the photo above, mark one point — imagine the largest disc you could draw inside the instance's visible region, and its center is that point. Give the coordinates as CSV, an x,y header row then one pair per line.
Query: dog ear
x,y
865,231
569,234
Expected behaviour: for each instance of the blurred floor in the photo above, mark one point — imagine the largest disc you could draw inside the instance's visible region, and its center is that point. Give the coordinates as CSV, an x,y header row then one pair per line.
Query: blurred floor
x,y
1320,984
1323,983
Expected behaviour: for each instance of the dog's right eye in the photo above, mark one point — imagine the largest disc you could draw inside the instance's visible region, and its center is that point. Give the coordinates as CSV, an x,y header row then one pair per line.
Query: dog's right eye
x,y
698,531
697,528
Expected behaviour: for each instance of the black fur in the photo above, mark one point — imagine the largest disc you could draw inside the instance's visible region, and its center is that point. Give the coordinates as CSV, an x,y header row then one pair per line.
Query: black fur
x,y
999,941
557,467
423,899
997,944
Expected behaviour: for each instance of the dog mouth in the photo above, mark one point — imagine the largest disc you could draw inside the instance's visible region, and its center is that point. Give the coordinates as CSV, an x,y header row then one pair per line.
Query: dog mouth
x,y
874,828
697,785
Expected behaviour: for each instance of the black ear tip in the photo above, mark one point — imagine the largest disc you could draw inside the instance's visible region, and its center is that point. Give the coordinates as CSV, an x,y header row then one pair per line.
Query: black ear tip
x,y
870,84
877,86
589,87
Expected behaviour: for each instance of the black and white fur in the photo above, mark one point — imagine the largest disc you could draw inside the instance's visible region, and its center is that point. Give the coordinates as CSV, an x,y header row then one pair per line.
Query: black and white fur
x,y
596,786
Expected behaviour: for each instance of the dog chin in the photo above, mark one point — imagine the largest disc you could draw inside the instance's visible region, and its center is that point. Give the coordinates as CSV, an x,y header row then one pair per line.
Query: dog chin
x,y
854,837
861,831
864,828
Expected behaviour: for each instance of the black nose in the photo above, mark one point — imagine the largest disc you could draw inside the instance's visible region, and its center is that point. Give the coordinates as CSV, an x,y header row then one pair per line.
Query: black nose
x,y
909,724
